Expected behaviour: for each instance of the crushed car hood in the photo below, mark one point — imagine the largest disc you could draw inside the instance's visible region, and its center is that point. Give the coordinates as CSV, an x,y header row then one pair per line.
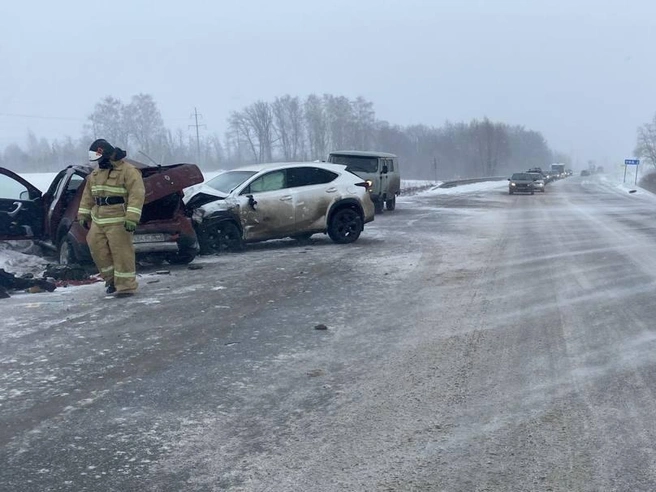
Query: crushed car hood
x,y
199,195
161,181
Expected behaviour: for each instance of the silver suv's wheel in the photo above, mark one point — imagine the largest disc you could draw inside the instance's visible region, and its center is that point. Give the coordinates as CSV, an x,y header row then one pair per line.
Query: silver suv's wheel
x,y
219,237
345,226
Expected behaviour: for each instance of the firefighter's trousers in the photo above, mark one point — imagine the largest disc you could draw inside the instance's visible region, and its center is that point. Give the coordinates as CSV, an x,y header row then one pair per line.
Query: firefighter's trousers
x,y
112,251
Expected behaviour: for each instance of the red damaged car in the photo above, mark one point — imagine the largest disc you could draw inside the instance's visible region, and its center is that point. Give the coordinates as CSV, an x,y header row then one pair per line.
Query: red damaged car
x,y
165,231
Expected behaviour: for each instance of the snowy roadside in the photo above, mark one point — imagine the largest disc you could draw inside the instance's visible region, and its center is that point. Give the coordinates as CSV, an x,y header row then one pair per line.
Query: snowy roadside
x,y
468,188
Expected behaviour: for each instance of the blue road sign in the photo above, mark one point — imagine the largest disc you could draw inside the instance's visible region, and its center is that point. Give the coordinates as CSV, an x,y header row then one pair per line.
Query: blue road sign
x,y
631,162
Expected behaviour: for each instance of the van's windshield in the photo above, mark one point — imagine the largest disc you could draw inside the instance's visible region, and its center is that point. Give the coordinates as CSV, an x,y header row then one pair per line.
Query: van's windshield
x,y
356,163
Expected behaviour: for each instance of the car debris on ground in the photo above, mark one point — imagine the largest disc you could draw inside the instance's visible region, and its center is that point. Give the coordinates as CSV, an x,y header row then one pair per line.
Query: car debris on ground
x,y
54,276
10,282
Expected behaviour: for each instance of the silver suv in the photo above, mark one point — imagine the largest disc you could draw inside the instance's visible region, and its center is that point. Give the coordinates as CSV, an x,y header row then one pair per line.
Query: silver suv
x,y
273,201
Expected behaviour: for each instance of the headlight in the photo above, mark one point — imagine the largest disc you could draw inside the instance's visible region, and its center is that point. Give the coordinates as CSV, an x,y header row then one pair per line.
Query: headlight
x,y
513,184
370,184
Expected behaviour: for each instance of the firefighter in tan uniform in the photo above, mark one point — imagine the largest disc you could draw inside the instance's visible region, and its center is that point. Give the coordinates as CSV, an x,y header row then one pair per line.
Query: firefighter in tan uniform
x,y
111,203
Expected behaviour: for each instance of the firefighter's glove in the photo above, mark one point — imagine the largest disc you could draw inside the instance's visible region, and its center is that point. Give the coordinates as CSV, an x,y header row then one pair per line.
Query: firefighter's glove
x,y
130,225
84,223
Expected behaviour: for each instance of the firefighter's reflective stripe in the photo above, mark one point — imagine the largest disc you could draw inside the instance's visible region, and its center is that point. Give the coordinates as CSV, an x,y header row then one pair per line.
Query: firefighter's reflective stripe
x,y
119,190
112,250
84,211
125,274
107,220
134,210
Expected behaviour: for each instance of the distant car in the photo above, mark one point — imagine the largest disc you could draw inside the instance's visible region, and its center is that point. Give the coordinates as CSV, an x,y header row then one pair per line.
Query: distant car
x,y
521,183
165,231
548,177
585,172
539,181
274,201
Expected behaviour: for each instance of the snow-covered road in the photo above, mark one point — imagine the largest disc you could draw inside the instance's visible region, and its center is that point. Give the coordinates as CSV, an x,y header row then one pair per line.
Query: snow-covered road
x,y
474,341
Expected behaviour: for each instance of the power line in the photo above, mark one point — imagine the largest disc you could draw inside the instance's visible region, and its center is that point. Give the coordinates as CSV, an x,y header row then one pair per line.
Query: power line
x,y
196,125
38,117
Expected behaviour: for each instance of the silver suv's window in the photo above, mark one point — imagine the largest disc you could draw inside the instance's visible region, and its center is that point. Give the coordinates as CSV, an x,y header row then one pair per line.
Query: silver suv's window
x,y
228,181
269,182
356,163
307,176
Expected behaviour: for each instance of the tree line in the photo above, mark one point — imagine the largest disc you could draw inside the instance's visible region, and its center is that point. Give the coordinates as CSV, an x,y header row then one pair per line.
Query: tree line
x,y
291,128
646,142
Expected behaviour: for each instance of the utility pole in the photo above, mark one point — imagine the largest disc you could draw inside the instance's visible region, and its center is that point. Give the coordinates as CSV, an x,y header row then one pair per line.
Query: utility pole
x,y
197,126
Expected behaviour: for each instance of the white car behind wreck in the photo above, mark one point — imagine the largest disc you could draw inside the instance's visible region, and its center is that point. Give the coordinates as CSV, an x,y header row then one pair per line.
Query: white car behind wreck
x,y
274,201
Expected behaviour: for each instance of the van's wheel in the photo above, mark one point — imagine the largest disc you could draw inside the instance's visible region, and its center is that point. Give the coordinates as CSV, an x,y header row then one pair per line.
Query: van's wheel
x,y
391,204
345,226
66,253
379,206
219,237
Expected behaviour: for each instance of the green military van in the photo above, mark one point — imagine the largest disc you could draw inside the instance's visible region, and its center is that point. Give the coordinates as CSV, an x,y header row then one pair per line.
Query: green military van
x,y
379,168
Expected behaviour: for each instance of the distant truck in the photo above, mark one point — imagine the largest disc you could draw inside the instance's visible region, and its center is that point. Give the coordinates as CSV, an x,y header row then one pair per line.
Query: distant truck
x,y
558,170
379,168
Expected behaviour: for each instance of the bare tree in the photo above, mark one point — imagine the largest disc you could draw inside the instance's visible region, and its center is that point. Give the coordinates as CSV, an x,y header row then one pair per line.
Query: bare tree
x,y
646,145
260,118
315,121
297,139
39,151
340,121
109,121
282,125
242,135
528,149
288,126
17,159
491,143
364,119
145,122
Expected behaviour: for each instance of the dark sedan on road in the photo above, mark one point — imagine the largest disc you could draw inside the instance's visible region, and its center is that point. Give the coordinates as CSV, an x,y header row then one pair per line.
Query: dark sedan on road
x,y
521,183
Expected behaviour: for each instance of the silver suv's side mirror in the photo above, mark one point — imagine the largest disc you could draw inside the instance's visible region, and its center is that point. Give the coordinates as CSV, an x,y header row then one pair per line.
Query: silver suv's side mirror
x,y
252,202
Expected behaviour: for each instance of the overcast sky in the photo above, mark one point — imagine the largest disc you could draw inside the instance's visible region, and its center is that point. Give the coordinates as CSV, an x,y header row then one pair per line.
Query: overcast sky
x,y
583,72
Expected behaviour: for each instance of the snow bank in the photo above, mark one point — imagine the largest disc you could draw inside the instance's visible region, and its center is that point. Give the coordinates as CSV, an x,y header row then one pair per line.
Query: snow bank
x,y
469,188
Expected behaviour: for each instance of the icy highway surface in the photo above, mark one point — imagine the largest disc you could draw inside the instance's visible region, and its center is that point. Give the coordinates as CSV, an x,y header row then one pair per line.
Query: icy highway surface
x,y
474,341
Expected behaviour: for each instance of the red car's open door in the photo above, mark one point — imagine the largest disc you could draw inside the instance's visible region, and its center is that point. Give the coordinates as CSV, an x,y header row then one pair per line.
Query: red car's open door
x,y
21,208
